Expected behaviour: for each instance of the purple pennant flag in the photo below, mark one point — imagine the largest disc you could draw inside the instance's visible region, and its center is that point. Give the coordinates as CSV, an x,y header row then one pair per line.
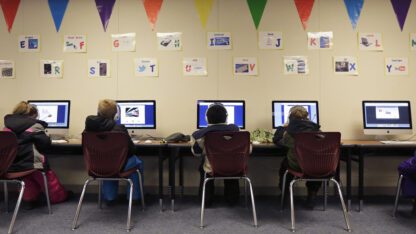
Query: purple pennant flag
x,y
401,7
105,8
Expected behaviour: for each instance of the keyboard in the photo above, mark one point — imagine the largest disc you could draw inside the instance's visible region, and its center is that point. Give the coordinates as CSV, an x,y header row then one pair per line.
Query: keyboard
x,y
399,142
59,141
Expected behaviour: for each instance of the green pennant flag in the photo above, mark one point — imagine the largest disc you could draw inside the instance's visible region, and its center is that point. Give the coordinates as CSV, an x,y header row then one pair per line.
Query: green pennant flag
x,y
256,9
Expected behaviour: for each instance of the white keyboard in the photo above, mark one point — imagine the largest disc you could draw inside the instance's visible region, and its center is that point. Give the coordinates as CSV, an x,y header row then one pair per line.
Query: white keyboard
x,y
59,141
399,142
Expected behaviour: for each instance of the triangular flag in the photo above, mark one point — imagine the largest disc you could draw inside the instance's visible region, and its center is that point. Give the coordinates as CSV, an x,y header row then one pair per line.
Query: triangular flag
x,y
105,8
256,9
204,9
401,7
354,10
58,8
9,8
304,10
152,8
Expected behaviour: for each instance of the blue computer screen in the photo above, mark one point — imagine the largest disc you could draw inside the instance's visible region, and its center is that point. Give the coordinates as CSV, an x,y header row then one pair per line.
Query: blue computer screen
x,y
235,110
137,114
387,114
281,111
55,113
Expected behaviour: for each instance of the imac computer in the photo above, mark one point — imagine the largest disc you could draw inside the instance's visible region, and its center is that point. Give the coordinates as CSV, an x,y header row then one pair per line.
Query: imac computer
x,y
56,114
137,114
281,111
387,117
235,110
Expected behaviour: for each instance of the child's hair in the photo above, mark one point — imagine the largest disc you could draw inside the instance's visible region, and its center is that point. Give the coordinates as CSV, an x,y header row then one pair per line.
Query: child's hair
x,y
298,112
24,108
216,114
107,108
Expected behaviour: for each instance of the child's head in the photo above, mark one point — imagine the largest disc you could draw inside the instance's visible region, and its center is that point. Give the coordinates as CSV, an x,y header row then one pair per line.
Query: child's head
x,y
298,113
107,108
24,108
216,114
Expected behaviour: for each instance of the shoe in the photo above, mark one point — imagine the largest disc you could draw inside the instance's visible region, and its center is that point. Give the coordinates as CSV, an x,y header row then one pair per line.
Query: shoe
x,y
69,195
310,201
29,205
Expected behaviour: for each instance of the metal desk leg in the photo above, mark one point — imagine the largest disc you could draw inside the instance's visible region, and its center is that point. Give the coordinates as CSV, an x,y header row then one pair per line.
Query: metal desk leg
x,y
181,176
172,173
349,180
360,180
160,161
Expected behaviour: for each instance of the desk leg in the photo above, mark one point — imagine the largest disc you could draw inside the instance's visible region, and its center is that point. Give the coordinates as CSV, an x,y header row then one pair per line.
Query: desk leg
x,y
160,161
181,175
172,174
360,180
349,179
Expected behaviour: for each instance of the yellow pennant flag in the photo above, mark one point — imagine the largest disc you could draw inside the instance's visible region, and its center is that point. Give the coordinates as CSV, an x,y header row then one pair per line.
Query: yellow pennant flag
x,y
204,9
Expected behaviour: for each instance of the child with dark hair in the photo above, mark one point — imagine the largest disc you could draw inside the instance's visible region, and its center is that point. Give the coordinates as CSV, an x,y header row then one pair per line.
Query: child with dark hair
x,y
217,122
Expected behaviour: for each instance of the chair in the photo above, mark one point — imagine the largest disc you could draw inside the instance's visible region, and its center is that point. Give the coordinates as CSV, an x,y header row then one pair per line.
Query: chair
x,y
228,154
8,151
318,156
396,202
105,154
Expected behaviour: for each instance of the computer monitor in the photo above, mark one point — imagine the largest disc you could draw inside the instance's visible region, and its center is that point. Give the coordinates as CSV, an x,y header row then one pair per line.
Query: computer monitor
x,y
55,113
281,111
235,110
137,114
387,117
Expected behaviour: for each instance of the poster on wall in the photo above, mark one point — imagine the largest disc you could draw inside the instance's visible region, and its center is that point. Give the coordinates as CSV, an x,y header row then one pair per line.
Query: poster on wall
x,y
413,41
123,42
370,41
219,40
271,40
245,66
295,65
320,40
51,68
396,66
98,68
146,67
345,65
29,43
7,69
75,43
169,41
194,66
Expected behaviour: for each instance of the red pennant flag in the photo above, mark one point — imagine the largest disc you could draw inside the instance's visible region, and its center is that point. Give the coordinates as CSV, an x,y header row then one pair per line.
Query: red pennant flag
x,y
152,8
9,8
304,10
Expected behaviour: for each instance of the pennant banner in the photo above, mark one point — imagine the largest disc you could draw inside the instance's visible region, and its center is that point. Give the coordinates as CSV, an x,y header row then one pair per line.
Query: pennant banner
x,y
354,10
304,10
204,9
401,7
58,8
152,8
256,9
105,8
9,8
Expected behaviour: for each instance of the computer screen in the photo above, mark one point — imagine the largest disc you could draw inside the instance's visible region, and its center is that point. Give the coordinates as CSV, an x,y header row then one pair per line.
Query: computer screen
x,y
281,111
55,113
235,110
137,114
387,117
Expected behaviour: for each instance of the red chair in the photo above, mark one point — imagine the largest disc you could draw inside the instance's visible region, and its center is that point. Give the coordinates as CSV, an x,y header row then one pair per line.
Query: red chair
x,y
318,157
228,154
105,154
8,151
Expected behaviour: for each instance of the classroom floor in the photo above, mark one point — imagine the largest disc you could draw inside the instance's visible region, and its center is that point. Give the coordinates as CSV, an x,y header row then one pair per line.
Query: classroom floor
x,y
376,218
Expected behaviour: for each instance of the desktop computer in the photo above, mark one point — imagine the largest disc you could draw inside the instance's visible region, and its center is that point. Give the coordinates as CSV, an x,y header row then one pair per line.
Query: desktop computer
x,y
235,110
281,110
137,114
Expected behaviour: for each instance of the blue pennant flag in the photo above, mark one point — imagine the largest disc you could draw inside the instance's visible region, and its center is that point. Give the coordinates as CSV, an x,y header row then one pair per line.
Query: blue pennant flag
x,y
354,10
58,8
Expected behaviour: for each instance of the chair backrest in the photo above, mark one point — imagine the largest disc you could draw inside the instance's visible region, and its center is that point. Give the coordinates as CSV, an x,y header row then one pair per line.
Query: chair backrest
x,y
318,152
104,153
228,152
8,151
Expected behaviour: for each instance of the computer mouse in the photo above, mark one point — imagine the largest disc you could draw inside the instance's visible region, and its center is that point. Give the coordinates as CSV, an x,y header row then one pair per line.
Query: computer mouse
x,y
148,141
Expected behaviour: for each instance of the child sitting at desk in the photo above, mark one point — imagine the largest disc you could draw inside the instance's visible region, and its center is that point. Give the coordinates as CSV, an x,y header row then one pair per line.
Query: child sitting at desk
x,y
408,170
217,121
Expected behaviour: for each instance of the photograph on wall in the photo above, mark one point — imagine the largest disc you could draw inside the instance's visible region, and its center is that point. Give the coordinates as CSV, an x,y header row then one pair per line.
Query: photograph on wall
x,y
169,41
146,67
370,41
7,69
396,66
413,41
271,40
29,43
245,66
320,40
295,65
75,43
219,40
99,68
51,68
345,65
123,42
194,67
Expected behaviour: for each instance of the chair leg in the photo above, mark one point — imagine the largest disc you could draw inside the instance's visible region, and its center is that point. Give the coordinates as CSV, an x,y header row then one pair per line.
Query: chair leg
x,y
100,183
253,205
130,203
325,194
203,202
282,199
48,201
344,209
16,209
292,205
141,189
6,197
74,224
245,193
396,202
